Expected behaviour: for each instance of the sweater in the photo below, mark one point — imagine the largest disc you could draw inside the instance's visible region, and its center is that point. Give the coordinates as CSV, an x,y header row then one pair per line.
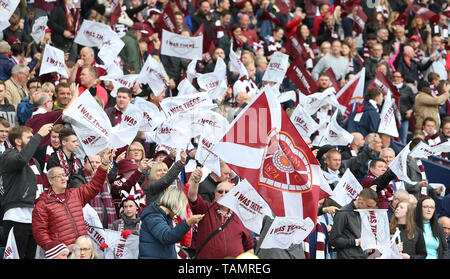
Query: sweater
x,y
338,64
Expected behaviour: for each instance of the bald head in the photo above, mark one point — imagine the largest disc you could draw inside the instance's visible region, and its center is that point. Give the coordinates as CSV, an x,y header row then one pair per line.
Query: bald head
x,y
444,221
358,140
408,51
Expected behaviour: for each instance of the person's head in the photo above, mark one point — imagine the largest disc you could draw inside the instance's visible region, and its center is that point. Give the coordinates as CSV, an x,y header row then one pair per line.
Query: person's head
x,y
88,76
43,101
91,163
69,140
382,34
244,21
336,48
446,126
381,67
57,250
57,178
34,85
399,32
84,248
429,125
19,136
387,154
224,5
436,42
346,50
377,167
443,87
277,33
251,69
434,79
385,140
401,195
261,63
218,52
136,151
404,214
49,89
376,95
87,55
373,140
397,77
158,170
21,73
324,80
412,200
358,140
130,207
156,98
367,199
225,172
241,97
135,3
123,98
427,208
325,48
323,8
14,21
444,221
225,18
222,189
4,128
247,56
414,42
408,52
54,135
175,200
205,7
333,159
304,31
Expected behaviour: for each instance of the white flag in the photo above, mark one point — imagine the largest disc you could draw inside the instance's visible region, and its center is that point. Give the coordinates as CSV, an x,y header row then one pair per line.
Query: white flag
x,y
120,81
94,227
153,74
174,132
441,147
53,61
312,103
399,165
125,132
375,232
38,30
185,87
335,134
119,247
277,67
303,122
7,8
215,83
191,71
110,49
247,204
236,65
347,189
395,253
208,122
94,34
152,116
421,150
174,105
286,231
11,252
388,124
176,45
205,156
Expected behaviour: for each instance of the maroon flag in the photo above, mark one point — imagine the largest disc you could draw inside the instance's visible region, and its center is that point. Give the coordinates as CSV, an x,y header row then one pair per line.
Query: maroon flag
x,y
347,6
424,13
333,79
183,6
360,21
206,41
352,93
116,10
271,17
284,5
209,55
298,74
295,48
167,20
402,18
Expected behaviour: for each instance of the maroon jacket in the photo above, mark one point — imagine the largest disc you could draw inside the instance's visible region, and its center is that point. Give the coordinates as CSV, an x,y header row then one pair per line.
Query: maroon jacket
x,y
54,220
232,241
383,196
39,120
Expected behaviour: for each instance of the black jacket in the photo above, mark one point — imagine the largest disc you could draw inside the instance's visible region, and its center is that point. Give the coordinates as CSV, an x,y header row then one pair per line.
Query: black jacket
x,y
414,247
19,180
57,22
410,72
207,188
8,112
407,98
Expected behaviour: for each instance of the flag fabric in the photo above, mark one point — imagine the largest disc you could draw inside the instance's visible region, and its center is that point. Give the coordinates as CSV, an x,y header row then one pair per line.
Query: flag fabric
x,y
286,231
352,92
215,83
7,9
388,125
263,146
334,81
120,81
385,85
11,252
335,134
312,103
153,74
301,77
284,5
109,51
166,20
38,30
116,11
303,122
423,150
152,115
360,20
94,34
277,67
183,5
94,228
247,204
173,44
185,87
125,132
399,166
120,247
395,253
236,64
347,189
174,105
174,132
53,62
294,46
375,234
424,13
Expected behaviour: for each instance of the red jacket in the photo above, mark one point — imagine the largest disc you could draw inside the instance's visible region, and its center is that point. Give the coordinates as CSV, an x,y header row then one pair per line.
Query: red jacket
x,y
232,241
63,221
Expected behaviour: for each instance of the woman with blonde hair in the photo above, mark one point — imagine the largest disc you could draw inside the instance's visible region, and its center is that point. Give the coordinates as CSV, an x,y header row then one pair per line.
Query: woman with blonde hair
x,y
158,235
49,88
84,248
411,242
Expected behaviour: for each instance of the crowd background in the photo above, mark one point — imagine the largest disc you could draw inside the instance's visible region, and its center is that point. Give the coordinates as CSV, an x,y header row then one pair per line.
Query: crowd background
x,y
132,195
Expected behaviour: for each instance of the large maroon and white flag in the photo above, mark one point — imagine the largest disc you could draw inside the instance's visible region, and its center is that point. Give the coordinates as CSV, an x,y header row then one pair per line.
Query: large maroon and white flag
x,y
166,20
284,5
352,92
263,146
176,45
53,61
360,21
424,13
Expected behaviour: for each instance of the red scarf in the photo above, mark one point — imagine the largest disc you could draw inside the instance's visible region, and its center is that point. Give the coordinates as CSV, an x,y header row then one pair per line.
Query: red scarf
x,y
72,19
65,165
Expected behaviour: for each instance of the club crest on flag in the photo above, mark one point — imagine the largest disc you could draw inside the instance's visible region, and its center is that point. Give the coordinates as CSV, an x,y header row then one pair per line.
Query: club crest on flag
x,y
284,167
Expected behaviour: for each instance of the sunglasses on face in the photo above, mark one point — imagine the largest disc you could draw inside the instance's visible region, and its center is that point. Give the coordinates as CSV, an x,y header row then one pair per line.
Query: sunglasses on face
x,y
221,191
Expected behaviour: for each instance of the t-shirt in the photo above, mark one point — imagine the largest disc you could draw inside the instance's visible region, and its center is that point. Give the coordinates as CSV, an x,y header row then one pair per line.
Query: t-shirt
x,y
431,242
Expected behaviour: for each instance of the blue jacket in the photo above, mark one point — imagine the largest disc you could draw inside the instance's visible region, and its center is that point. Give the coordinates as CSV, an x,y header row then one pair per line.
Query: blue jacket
x,y
158,236
368,123
5,67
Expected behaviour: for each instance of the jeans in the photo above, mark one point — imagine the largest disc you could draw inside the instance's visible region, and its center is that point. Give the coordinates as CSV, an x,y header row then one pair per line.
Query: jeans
x,y
403,132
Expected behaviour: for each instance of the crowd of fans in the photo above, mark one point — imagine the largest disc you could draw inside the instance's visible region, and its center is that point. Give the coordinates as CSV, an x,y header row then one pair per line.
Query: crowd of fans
x,y
142,189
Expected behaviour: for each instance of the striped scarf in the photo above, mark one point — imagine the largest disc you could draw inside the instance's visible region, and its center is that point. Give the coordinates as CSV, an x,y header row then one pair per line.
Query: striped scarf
x,y
103,199
384,12
135,190
65,165
325,121
434,91
351,67
367,52
423,190
316,244
273,46
251,86
433,140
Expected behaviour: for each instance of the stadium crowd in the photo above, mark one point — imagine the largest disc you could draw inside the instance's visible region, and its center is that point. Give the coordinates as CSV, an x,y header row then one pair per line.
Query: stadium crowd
x,y
142,189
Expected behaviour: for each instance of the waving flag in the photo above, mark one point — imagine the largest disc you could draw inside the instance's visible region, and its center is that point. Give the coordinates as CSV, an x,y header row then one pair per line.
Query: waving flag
x,y
39,26
388,124
11,252
298,74
286,231
335,134
53,61
352,92
263,146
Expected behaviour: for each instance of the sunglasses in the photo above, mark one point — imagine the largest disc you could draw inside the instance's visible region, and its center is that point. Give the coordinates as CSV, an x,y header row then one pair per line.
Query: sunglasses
x,y
221,191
